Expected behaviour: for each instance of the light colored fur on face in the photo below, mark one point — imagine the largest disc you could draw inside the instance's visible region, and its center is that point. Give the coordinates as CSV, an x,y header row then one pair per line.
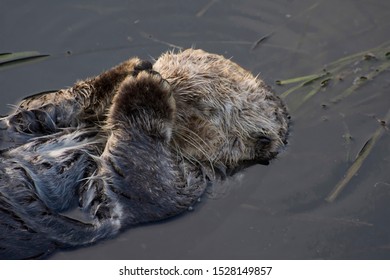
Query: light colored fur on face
x,y
221,108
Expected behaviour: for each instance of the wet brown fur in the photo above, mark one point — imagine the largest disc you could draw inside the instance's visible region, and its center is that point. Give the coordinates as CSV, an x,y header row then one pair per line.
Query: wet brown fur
x,y
144,139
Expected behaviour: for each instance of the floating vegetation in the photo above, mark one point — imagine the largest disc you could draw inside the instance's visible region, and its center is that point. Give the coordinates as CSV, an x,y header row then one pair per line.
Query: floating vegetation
x,y
358,68
354,71
7,59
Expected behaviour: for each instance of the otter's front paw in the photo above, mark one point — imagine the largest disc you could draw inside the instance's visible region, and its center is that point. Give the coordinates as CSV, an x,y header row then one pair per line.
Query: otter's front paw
x,y
145,98
146,92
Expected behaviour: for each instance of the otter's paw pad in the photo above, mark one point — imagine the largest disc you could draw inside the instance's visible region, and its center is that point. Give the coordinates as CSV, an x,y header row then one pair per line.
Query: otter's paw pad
x,y
147,93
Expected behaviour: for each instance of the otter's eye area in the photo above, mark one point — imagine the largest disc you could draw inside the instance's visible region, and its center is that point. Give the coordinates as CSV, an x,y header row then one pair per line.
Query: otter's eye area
x,y
264,140
261,140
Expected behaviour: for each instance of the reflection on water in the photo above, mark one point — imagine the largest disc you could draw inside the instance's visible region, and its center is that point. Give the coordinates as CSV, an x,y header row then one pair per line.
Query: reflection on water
x,y
272,212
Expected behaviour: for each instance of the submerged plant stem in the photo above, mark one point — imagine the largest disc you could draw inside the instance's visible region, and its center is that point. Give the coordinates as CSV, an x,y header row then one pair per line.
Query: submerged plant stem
x,y
358,162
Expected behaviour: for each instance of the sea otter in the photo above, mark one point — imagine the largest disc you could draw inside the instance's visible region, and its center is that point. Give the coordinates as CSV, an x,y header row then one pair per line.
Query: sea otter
x,y
138,143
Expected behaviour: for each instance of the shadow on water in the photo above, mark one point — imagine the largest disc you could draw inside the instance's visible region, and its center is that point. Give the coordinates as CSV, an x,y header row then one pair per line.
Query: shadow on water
x,y
291,209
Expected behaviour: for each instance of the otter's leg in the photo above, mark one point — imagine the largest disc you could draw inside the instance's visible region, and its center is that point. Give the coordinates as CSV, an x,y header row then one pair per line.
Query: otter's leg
x,y
84,104
139,179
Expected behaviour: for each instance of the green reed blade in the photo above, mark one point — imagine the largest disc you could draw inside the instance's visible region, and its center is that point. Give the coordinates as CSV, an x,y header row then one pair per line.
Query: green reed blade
x,y
12,58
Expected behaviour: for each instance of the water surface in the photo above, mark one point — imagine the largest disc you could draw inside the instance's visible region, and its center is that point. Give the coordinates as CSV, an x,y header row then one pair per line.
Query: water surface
x,y
267,212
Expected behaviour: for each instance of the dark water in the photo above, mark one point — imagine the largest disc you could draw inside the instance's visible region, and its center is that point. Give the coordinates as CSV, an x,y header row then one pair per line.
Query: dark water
x,y
268,212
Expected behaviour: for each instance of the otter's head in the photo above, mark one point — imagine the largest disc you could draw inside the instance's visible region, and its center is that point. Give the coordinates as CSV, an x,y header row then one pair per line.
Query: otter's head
x,y
259,127
224,115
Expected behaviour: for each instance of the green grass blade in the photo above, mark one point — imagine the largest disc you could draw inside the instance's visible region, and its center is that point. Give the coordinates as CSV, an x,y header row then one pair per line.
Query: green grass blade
x,y
296,80
7,59
310,94
291,90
